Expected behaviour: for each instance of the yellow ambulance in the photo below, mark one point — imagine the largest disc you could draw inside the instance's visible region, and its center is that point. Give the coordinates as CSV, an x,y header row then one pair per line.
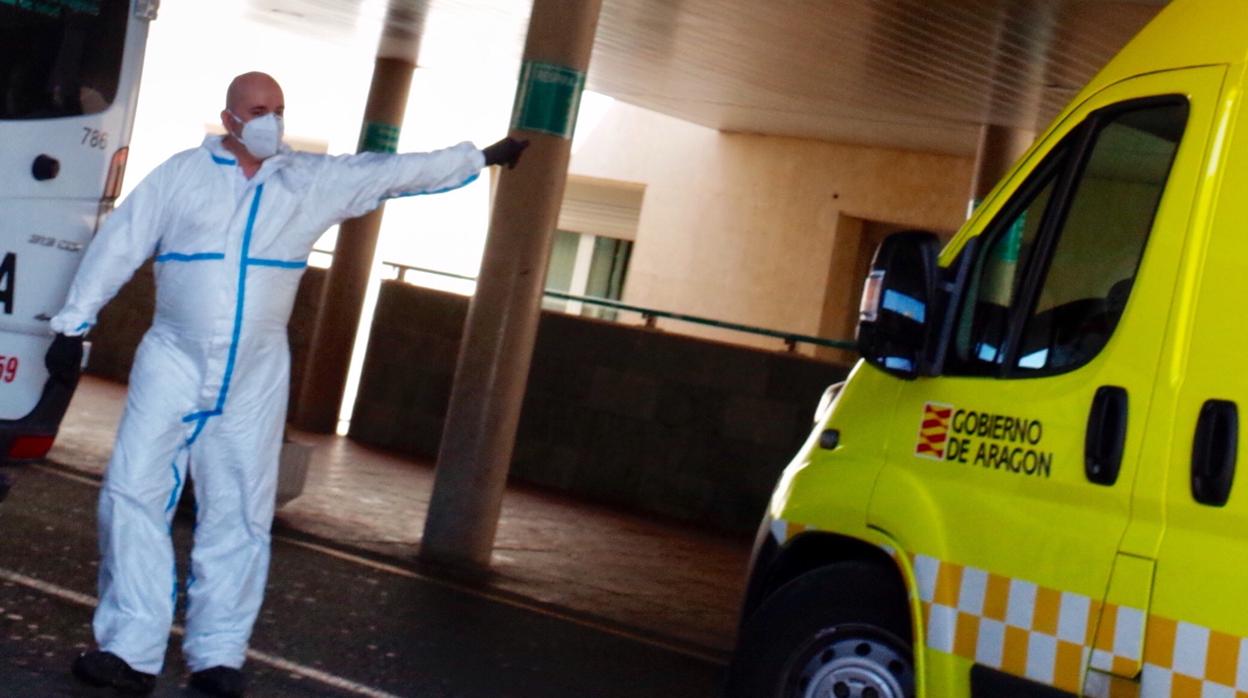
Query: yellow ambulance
x,y
1027,487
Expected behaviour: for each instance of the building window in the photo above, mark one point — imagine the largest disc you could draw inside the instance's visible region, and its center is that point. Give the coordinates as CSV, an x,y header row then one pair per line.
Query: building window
x,y
586,265
593,242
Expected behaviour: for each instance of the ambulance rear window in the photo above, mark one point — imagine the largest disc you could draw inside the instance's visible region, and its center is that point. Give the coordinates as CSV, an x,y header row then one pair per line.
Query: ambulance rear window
x,y
60,57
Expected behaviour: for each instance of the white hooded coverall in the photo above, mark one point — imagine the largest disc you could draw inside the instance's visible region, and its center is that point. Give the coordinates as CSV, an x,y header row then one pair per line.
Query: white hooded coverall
x,y
208,389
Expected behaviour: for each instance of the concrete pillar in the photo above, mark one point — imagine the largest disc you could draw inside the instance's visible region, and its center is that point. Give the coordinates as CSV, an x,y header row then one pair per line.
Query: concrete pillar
x,y
319,397
999,148
501,327
1024,36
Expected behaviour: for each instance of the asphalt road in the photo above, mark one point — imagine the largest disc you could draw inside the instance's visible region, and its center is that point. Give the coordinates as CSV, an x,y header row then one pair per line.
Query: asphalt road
x,y
334,623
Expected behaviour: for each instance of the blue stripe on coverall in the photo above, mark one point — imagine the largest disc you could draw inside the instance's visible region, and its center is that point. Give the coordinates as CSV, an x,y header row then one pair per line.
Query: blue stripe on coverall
x,y
405,194
201,418
193,257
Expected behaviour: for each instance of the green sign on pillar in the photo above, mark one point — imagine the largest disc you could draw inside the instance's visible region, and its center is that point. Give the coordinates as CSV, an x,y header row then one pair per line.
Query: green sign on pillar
x,y
547,99
378,137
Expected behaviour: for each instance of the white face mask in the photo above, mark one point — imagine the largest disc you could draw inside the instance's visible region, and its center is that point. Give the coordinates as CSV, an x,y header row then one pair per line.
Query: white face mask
x,y
262,135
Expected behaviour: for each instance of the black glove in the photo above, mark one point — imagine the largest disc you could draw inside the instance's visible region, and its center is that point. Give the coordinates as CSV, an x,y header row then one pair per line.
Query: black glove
x,y
505,152
64,358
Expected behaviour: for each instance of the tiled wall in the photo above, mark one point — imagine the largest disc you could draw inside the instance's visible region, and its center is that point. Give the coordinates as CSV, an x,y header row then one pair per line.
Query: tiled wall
x,y
656,422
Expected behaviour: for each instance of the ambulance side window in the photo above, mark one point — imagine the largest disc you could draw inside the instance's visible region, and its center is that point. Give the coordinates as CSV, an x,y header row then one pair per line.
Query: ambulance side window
x,y
1111,213
1054,278
979,346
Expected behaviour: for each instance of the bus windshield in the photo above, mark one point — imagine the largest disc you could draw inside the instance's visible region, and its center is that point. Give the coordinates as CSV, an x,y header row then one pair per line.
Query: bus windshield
x,y
60,57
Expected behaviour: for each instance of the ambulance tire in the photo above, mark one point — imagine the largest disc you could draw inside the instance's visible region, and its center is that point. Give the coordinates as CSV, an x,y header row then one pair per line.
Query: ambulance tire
x,y
839,630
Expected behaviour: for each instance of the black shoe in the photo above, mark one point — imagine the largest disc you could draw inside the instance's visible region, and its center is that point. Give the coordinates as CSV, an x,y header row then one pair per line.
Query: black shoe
x,y
222,681
100,668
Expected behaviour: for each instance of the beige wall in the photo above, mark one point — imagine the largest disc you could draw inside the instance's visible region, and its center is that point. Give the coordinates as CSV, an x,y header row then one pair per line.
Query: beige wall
x,y
854,245
742,227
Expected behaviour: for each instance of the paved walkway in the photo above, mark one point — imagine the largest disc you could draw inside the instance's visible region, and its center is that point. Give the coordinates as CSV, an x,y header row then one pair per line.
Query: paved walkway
x,y
664,581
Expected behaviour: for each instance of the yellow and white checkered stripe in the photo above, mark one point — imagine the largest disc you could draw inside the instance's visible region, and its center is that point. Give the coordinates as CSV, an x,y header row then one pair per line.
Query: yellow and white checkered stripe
x,y
1048,635
1008,624
1185,660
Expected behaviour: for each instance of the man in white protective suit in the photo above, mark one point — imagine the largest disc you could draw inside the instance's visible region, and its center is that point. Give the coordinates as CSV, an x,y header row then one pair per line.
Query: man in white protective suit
x,y
230,224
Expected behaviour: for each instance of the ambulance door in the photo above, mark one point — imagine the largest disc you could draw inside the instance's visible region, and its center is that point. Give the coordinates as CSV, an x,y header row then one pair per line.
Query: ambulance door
x,y
1009,477
1197,636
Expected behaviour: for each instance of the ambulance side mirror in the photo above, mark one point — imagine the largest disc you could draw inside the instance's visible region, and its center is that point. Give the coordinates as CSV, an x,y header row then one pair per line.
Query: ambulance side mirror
x,y
897,315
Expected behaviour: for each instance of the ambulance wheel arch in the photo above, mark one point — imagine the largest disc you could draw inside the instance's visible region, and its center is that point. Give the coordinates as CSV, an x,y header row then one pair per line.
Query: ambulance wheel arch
x,y
776,564
841,629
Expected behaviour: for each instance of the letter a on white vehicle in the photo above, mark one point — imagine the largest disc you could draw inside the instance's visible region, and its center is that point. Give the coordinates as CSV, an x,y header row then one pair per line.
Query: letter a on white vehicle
x,y
1028,485
69,82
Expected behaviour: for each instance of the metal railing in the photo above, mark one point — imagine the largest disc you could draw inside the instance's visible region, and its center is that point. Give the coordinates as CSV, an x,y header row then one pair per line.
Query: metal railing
x,y
650,316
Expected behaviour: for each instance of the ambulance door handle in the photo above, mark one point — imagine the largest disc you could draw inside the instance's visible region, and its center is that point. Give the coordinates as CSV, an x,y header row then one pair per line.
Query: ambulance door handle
x,y
1213,452
1107,434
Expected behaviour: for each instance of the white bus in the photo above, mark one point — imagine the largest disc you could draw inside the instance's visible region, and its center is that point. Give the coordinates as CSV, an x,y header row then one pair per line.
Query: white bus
x,y
69,84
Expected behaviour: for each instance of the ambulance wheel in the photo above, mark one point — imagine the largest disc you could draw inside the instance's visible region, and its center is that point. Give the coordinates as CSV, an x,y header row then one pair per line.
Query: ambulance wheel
x,y
837,632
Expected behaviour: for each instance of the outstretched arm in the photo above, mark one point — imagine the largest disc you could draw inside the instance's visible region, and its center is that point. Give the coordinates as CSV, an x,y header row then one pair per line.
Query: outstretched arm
x,y
352,185
128,237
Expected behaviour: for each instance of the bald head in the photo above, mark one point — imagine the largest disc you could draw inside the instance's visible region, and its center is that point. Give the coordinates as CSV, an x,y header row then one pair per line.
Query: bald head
x,y
251,89
250,95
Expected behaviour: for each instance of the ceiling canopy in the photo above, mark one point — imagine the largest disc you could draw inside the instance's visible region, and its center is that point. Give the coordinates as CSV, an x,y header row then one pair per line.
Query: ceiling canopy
x,y
914,74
